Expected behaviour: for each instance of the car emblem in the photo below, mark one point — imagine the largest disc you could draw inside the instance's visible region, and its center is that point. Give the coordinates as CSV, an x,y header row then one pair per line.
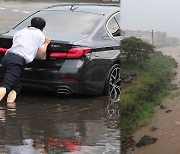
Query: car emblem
x,y
55,45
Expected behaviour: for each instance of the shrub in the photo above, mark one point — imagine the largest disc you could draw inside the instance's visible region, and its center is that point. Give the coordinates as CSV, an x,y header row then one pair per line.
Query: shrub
x,y
135,50
151,85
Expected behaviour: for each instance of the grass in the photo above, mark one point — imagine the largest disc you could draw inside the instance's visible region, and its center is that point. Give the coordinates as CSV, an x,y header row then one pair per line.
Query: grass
x,y
152,84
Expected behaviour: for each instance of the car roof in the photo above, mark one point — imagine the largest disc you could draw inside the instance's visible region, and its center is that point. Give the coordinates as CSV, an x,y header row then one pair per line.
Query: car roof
x,y
103,9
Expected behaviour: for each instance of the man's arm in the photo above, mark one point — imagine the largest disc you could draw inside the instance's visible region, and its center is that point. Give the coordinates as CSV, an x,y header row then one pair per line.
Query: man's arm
x,y
42,51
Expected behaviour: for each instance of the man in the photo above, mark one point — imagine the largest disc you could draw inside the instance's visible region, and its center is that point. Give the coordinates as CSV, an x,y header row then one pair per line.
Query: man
x,y
27,44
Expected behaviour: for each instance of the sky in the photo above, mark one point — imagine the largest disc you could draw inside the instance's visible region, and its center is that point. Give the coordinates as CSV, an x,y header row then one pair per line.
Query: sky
x,y
157,15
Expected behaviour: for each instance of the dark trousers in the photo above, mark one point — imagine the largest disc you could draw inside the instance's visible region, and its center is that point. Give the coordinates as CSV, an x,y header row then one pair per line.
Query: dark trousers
x,y
12,65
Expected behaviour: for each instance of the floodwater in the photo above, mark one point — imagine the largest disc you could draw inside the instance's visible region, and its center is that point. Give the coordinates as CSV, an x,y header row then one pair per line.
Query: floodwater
x,y
58,124
42,122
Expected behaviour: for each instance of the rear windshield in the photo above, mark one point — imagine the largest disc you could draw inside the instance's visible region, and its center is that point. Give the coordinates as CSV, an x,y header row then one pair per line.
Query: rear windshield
x,y
65,22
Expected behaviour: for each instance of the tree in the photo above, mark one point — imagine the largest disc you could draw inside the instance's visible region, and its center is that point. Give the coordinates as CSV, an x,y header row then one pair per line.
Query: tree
x,y
135,49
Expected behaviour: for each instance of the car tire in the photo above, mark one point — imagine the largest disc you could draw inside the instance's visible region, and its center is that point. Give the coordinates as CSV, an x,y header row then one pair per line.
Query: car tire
x,y
112,85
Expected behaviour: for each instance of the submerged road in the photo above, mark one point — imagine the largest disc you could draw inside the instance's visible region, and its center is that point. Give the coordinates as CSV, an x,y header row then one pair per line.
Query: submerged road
x,y
46,122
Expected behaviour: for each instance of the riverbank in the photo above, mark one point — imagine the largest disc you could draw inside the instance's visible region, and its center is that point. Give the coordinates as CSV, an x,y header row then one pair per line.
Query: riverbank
x,y
146,86
167,123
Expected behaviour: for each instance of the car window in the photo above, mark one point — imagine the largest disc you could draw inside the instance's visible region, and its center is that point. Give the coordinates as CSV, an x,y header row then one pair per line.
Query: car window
x,y
66,21
114,26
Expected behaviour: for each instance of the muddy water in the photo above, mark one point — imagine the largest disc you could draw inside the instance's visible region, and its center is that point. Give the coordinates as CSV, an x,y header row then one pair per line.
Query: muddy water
x,y
58,124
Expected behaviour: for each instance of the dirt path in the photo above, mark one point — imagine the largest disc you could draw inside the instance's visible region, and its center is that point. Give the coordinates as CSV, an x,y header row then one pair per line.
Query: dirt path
x,y
168,124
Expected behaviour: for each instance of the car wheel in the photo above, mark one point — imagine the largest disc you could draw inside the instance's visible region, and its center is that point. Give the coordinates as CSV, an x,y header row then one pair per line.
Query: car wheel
x,y
112,86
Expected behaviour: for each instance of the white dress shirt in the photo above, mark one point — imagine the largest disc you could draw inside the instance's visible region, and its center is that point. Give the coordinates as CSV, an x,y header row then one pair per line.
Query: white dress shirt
x,y
26,43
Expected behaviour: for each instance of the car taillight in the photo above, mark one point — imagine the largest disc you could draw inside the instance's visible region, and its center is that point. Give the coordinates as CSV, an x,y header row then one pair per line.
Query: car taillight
x,y
58,55
72,53
3,50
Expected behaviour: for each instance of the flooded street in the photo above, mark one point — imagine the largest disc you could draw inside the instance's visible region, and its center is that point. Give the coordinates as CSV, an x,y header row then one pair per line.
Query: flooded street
x,y
58,124
43,122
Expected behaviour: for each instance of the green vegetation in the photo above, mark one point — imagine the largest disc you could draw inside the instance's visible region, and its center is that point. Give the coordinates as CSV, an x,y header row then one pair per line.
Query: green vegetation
x,y
148,88
135,49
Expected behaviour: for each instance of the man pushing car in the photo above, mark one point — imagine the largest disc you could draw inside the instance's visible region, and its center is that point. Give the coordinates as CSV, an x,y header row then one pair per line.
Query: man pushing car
x,y
27,44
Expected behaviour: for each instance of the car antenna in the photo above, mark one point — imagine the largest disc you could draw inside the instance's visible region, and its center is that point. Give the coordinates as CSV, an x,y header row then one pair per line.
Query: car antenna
x,y
72,8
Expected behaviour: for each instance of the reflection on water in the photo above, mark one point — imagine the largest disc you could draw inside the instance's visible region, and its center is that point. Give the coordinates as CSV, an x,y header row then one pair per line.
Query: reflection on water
x,y
51,124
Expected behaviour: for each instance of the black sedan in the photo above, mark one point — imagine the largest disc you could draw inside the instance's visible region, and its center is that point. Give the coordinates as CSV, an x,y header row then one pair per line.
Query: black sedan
x,y
83,56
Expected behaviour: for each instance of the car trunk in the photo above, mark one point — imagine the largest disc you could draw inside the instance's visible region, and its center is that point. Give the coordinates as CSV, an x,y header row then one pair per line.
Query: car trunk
x,y
51,62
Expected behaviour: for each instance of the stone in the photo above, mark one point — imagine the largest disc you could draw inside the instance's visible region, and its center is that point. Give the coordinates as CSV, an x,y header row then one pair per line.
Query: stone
x,y
163,106
146,140
153,128
127,142
167,111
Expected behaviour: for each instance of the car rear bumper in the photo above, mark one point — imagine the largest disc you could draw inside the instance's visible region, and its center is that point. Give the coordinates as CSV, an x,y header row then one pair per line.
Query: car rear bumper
x,y
74,76
59,87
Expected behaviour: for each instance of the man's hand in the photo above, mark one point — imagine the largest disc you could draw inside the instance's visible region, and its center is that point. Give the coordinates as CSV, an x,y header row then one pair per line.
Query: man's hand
x,y
41,52
47,40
